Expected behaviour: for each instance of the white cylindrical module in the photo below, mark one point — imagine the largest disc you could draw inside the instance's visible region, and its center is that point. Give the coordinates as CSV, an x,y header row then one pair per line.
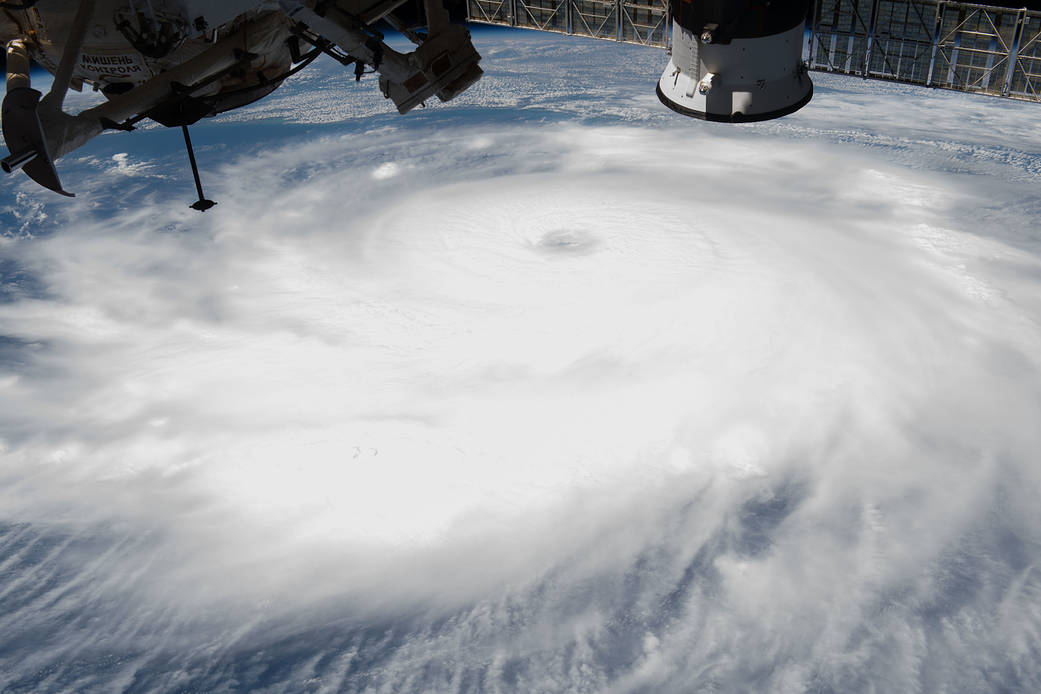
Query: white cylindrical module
x,y
736,62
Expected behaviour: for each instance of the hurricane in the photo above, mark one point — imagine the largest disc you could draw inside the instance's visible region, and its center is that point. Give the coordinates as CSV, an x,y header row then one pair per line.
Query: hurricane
x,y
548,389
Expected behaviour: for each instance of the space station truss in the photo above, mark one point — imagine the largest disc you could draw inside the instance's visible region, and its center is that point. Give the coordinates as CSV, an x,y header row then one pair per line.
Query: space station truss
x,y
976,48
645,22
935,43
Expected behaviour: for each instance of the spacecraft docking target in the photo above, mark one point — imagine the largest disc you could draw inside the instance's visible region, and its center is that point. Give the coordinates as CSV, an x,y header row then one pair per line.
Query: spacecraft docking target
x,y
736,61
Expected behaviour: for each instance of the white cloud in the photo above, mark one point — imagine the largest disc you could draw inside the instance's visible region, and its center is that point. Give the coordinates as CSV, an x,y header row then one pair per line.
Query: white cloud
x,y
385,170
125,167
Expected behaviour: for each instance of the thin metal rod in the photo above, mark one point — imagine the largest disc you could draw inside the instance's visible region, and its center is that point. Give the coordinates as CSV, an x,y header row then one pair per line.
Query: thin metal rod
x,y
191,158
202,204
1013,54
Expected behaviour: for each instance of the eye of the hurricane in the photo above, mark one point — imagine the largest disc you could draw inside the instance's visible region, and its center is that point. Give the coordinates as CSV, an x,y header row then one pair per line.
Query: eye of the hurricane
x,y
567,241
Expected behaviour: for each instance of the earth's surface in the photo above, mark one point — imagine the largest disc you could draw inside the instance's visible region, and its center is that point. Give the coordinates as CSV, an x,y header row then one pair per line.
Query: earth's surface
x,y
546,389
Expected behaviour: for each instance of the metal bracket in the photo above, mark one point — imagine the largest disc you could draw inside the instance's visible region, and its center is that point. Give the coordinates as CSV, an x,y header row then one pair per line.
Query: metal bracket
x,y
24,136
